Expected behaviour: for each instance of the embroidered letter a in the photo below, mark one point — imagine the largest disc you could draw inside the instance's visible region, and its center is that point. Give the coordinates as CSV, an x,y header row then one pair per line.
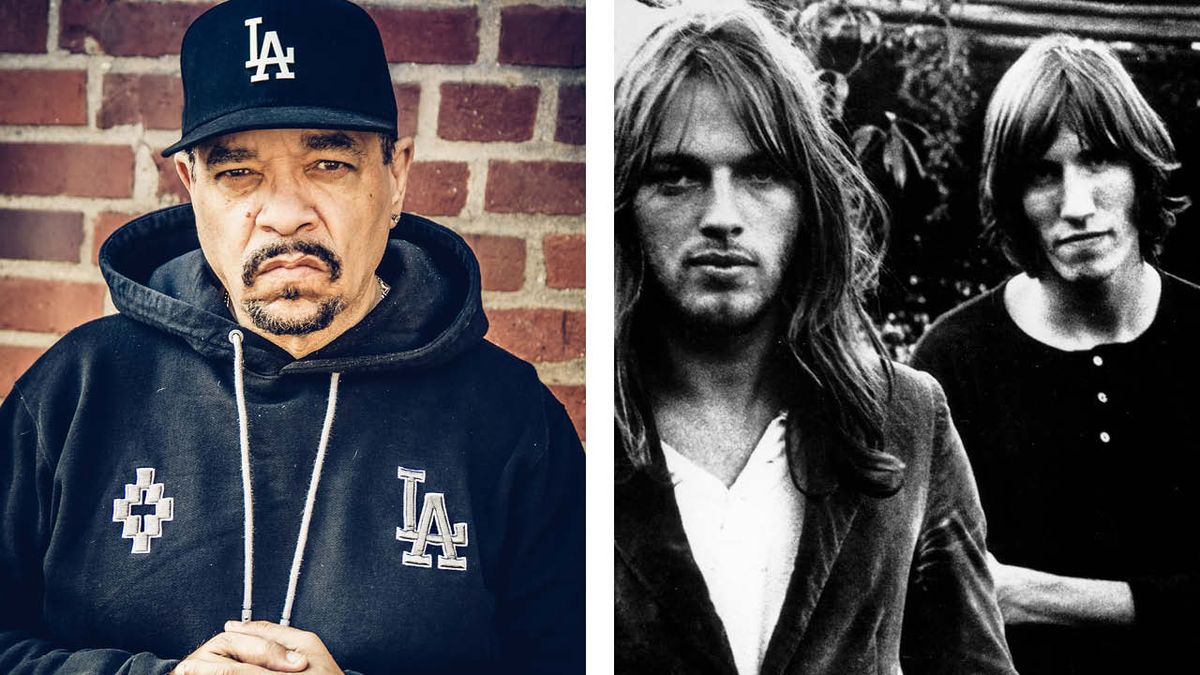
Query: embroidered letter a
x,y
417,530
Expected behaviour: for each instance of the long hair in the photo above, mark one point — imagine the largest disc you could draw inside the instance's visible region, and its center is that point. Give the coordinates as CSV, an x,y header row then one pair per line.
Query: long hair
x,y
1063,82
830,345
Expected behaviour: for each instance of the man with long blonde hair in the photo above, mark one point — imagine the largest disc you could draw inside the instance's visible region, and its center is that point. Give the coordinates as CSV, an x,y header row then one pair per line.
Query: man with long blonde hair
x,y
788,500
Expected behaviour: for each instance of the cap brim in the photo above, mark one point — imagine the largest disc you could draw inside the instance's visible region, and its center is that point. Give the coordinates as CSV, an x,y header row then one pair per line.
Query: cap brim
x,y
285,117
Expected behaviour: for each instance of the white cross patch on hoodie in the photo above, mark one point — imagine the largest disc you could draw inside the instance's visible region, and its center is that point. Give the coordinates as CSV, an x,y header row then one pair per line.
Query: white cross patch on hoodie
x,y
142,527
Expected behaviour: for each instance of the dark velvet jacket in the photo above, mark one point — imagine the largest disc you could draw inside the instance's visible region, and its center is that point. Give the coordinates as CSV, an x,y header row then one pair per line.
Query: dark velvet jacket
x,y
878,583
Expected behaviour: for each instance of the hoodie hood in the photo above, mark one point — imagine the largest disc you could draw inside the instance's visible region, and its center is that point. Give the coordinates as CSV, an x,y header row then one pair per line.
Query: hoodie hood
x,y
158,276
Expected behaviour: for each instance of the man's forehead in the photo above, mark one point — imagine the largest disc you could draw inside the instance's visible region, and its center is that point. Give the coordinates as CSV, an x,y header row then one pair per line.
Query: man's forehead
x,y
700,120
1066,140
247,144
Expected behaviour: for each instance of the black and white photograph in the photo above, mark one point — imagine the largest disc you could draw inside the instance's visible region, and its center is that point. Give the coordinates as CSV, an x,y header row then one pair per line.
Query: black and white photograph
x,y
905,319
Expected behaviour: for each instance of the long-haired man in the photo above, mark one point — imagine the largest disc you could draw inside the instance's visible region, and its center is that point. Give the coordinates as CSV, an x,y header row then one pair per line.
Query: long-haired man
x,y
1074,382
785,494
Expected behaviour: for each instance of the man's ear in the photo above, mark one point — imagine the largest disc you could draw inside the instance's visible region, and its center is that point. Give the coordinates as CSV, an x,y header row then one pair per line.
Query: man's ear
x,y
402,157
183,167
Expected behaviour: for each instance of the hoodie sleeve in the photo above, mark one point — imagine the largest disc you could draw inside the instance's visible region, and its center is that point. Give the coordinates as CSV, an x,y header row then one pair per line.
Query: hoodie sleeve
x,y
952,623
540,611
26,482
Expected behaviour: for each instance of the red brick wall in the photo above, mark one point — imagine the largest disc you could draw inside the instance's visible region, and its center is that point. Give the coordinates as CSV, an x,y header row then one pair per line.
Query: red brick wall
x,y
494,94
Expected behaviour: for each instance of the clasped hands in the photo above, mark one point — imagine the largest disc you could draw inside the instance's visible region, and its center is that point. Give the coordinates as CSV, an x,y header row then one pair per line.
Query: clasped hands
x,y
259,648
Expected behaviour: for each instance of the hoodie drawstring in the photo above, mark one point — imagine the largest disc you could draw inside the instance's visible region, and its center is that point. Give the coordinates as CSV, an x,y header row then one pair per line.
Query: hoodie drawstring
x,y
239,389
236,337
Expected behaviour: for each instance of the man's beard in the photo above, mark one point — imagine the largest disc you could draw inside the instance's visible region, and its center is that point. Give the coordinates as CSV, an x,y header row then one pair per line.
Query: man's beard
x,y
265,320
258,309
717,317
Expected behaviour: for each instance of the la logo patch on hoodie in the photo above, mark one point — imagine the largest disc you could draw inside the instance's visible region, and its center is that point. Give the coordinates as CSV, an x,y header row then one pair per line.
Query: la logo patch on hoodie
x,y
417,529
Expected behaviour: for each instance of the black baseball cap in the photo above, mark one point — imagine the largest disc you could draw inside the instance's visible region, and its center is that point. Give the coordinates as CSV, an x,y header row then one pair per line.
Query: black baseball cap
x,y
283,64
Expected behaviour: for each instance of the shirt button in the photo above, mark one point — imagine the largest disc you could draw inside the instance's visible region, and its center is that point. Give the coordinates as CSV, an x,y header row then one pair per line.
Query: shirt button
x,y
1096,360
1104,437
1102,397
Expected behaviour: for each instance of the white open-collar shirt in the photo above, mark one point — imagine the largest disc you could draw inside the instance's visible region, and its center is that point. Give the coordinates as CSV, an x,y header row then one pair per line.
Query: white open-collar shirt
x,y
743,538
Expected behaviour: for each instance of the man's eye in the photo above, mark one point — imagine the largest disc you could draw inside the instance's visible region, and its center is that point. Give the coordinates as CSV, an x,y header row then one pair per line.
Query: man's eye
x,y
235,176
331,165
1043,174
1095,161
762,175
673,182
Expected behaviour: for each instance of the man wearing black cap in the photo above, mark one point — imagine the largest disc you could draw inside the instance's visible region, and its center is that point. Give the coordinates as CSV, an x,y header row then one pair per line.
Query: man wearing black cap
x,y
292,447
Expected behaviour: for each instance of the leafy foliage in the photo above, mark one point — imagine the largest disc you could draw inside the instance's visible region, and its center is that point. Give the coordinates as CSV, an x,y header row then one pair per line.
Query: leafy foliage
x,y
903,94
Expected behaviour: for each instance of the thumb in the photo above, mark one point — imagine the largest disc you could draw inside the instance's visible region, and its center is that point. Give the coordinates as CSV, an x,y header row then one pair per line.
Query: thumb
x,y
292,638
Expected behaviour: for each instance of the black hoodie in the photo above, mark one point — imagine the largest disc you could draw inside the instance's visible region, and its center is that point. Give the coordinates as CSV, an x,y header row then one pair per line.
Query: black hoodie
x,y
446,532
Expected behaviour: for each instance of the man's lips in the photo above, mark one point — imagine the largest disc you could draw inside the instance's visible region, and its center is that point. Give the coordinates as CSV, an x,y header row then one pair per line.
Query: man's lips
x,y
721,259
1080,237
301,264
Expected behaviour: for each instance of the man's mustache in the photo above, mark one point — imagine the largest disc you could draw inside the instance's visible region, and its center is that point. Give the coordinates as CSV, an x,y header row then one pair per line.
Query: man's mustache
x,y
279,248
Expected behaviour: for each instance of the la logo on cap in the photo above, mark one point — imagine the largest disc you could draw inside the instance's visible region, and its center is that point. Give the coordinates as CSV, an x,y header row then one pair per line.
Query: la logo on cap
x,y
272,54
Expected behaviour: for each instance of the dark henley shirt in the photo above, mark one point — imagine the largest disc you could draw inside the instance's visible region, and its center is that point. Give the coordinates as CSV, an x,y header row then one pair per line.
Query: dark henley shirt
x,y
1087,465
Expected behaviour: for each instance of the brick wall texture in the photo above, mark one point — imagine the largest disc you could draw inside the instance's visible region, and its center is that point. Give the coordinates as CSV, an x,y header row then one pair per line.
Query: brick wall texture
x,y
493,94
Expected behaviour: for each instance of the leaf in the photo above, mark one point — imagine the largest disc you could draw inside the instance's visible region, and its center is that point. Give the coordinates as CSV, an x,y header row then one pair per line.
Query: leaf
x,y
896,133
870,28
894,160
912,152
902,122
865,138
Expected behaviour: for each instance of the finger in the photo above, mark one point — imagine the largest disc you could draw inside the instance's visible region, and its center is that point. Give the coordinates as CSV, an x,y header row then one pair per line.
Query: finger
x,y
217,666
256,650
291,638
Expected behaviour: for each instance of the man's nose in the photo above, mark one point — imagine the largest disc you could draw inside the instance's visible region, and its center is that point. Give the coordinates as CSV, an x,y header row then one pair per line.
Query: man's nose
x,y
287,207
722,215
1078,198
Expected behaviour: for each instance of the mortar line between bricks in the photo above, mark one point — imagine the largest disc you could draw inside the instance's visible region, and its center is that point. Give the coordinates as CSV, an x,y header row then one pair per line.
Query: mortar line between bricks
x,y
477,73
47,270
21,338
528,225
569,373
44,61
90,216
489,35
53,19
428,104
546,122
535,263
142,65
553,298
95,92
477,174
125,134
71,203
569,299
527,151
